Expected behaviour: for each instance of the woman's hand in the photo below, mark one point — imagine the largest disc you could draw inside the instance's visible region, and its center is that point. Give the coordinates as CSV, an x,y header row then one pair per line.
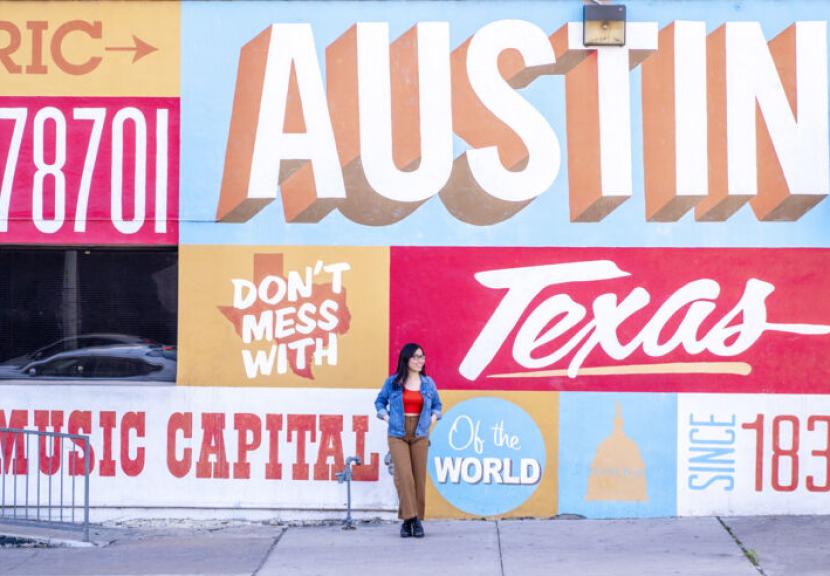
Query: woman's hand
x,y
386,419
434,420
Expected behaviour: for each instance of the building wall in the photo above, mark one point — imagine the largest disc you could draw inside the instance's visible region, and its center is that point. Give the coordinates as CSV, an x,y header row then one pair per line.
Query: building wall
x,y
614,258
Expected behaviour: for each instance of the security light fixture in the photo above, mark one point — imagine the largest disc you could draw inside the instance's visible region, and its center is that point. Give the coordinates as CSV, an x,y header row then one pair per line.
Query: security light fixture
x,y
603,25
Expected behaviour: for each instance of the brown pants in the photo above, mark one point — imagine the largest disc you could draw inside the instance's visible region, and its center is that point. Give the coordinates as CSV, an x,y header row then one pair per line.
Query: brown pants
x,y
409,455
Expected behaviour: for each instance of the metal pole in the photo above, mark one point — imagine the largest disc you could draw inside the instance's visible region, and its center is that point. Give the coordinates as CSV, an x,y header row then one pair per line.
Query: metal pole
x,y
60,467
49,472
349,520
3,470
37,470
14,509
28,464
86,489
74,472
346,476
71,302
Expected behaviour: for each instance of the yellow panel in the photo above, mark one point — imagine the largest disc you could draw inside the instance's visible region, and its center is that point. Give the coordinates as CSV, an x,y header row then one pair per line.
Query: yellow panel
x,y
211,348
543,407
89,48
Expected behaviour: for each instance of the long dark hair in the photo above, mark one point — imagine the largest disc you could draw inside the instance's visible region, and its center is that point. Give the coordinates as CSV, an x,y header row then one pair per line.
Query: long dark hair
x,y
407,352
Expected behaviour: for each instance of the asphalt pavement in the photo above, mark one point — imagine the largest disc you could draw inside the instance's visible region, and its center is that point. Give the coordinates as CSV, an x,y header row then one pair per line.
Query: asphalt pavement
x,y
734,546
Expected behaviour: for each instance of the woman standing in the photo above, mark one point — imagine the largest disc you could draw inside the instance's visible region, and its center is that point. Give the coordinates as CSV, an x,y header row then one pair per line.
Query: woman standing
x,y
409,403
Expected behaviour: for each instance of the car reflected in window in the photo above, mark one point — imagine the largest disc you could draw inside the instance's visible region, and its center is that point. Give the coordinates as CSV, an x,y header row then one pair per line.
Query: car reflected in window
x,y
152,362
77,343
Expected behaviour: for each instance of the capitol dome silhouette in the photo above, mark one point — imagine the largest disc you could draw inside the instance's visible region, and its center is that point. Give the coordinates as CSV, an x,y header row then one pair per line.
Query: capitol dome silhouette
x,y
617,471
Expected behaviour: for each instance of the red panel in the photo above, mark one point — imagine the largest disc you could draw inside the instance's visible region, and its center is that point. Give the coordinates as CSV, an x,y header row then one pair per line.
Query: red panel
x,y
745,320
54,141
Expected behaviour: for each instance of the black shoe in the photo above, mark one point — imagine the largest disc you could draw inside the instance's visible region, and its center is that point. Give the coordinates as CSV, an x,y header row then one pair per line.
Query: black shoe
x,y
417,528
406,528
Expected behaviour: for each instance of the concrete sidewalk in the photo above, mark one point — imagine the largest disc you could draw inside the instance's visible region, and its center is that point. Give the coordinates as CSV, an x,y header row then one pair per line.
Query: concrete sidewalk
x,y
771,546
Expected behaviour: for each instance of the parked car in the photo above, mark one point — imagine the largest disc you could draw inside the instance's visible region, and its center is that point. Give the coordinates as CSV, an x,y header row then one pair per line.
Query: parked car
x,y
115,362
84,341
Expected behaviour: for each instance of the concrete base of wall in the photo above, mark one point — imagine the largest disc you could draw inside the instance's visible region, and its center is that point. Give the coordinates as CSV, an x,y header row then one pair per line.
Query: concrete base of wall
x,y
202,515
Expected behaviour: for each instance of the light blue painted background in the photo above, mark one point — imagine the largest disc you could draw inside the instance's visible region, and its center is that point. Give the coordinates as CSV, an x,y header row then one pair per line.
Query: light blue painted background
x,y
586,419
212,34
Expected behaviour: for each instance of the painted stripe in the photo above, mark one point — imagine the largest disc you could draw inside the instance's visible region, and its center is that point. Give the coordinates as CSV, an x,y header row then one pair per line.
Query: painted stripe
x,y
735,368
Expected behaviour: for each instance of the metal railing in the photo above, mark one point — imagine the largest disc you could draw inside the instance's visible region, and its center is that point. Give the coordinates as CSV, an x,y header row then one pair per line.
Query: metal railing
x,y
42,490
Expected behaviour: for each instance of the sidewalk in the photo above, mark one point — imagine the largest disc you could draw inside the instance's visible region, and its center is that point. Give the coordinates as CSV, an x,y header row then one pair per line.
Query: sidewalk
x,y
780,545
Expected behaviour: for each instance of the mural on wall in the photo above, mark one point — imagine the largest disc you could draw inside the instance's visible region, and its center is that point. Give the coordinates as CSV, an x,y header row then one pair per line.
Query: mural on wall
x,y
617,454
755,454
89,123
493,454
617,319
338,149
341,129
615,256
89,179
617,470
211,448
474,467
283,316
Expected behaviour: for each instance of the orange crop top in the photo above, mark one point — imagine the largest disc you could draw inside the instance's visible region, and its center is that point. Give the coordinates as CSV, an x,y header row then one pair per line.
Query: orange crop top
x,y
413,402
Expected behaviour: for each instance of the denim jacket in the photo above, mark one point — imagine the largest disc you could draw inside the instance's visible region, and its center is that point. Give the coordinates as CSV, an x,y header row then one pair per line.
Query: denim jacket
x,y
390,403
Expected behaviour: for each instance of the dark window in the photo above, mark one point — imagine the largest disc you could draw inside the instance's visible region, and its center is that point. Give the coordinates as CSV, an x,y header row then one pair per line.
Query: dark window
x,y
55,300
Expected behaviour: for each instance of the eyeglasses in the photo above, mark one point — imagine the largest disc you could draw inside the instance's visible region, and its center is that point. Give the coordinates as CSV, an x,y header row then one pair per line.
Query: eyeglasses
x,y
419,356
